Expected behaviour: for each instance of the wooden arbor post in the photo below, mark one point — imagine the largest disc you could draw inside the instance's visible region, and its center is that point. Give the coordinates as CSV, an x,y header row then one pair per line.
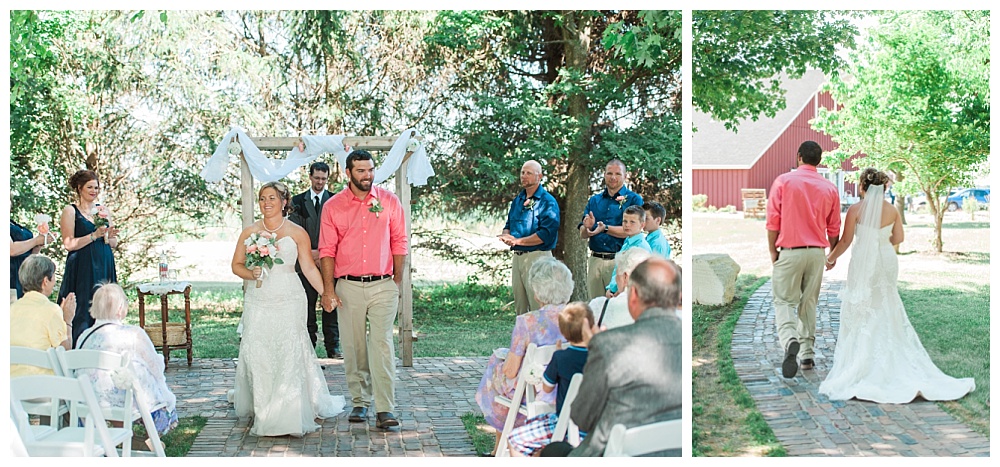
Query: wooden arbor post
x,y
377,143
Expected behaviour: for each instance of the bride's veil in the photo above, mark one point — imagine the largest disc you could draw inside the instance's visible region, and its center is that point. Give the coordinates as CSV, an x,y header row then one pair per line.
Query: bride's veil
x,y
864,252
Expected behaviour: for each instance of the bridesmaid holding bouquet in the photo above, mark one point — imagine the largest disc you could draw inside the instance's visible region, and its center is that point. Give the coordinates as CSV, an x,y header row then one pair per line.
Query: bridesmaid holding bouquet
x,y
89,236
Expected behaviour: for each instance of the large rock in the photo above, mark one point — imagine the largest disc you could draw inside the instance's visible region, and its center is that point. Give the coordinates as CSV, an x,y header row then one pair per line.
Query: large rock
x,y
714,279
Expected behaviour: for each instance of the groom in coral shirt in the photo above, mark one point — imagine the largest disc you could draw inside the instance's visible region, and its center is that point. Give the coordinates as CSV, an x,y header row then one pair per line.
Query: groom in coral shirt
x,y
803,218
363,244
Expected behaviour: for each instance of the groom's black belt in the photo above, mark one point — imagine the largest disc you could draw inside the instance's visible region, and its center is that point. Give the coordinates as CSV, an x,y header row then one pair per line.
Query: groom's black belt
x,y
597,254
799,247
368,278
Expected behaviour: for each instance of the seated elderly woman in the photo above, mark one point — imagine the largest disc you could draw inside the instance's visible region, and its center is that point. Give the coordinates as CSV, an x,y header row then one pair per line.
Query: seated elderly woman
x,y
36,322
613,312
110,334
552,283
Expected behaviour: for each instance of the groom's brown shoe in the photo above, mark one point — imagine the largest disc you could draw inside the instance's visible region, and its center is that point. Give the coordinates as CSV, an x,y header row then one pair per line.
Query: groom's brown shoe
x,y
807,364
789,366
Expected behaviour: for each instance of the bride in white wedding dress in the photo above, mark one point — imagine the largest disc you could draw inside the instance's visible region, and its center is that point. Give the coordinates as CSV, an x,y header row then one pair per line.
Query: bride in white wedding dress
x,y
278,381
878,355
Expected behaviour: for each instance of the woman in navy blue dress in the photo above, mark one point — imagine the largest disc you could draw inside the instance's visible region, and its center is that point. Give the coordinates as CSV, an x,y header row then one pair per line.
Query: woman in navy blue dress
x,y
90,261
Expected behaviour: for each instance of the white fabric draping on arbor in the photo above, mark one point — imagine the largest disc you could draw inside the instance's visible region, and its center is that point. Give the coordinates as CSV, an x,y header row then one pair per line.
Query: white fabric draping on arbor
x,y
262,167
266,169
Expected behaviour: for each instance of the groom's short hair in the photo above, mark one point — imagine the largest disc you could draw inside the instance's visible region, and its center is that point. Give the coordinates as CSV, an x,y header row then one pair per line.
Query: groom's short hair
x,y
358,155
811,153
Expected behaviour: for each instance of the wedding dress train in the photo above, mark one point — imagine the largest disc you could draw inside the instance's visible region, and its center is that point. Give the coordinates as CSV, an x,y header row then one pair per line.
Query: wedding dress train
x,y
878,354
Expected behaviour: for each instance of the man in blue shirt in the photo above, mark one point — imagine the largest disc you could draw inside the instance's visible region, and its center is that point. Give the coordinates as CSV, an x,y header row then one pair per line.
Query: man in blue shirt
x,y
601,225
531,231
655,215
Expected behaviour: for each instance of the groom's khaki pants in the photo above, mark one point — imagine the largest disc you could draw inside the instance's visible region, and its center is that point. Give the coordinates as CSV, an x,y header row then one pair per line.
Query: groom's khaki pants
x,y
795,283
370,363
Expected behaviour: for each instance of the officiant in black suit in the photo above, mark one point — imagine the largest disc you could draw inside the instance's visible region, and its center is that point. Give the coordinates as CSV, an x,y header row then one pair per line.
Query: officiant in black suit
x,y
307,208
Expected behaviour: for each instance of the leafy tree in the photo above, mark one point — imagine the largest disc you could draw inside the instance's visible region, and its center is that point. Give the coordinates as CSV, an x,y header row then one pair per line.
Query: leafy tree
x,y
740,56
135,97
917,101
567,88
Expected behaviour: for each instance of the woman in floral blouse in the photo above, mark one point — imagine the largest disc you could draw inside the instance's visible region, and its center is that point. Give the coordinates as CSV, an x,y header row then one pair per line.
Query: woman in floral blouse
x,y
552,283
110,334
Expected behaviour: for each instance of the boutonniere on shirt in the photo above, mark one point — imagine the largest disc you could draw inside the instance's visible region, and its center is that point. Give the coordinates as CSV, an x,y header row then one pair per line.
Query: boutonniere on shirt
x,y
621,201
375,206
529,203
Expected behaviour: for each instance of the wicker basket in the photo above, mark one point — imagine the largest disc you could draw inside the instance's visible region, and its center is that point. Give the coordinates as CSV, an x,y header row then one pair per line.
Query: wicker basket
x,y
176,335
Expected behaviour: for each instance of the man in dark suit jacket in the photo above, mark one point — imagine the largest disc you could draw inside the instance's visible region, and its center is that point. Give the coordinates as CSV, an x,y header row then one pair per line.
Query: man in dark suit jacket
x,y
633,373
307,207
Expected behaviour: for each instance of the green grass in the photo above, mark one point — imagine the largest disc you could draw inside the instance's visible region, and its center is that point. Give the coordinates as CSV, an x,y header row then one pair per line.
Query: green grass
x,y
179,440
730,416
483,440
953,323
462,320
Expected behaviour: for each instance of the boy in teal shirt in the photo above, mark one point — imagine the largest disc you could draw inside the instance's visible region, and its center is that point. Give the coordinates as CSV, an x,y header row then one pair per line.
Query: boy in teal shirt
x,y
655,214
632,222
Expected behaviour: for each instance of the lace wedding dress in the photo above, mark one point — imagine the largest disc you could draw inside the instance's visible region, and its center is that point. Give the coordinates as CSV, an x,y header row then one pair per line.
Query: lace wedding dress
x,y
278,381
878,355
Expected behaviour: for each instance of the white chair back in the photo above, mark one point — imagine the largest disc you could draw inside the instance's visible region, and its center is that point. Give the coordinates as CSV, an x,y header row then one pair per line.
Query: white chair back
x,y
72,440
644,439
534,355
565,424
73,361
19,422
42,359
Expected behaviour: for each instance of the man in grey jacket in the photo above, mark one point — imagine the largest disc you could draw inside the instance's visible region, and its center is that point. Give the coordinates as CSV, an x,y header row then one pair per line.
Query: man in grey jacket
x,y
633,373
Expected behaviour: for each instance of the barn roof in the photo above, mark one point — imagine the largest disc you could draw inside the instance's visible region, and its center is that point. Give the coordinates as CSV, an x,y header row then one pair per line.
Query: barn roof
x,y
715,147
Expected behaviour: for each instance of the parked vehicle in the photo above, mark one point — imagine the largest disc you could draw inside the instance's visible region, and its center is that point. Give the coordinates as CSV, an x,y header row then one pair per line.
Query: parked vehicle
x,y
981,195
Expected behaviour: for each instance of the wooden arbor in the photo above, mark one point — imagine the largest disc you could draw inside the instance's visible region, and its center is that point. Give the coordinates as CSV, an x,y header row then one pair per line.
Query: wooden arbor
x,y
377,143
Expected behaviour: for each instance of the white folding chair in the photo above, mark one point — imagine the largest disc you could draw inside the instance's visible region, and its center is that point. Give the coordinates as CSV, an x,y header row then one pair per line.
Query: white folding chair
x,y
73,361
17,415
565,425
644,439
534,355
71,441
42,359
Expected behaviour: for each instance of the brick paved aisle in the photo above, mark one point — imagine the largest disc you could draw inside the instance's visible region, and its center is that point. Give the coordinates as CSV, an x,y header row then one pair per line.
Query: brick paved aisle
x,y
430,398
807,423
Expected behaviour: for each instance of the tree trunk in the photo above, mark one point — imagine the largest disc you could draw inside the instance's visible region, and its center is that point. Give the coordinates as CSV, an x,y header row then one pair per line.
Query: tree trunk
x,y
575,31
936,210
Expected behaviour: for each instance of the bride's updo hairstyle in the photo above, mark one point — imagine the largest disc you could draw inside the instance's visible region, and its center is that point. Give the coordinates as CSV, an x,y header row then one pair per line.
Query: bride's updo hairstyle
x,y
283,195
871,176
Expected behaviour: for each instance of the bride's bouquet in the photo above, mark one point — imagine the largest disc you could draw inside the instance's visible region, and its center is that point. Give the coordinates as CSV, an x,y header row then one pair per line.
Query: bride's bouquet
x,y
262,251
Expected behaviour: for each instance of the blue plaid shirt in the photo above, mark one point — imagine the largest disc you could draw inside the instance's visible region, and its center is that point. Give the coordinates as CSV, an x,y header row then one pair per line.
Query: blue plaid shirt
x,y
608,210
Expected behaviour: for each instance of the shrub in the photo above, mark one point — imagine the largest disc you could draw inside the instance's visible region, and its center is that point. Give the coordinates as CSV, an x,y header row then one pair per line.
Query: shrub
x,y
698,202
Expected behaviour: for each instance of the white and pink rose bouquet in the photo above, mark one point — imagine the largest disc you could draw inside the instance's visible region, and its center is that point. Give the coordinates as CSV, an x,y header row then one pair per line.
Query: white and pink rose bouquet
x,y
262,251
102,218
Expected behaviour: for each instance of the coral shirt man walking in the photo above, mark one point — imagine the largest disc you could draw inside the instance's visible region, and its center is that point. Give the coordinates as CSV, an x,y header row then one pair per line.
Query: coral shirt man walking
x,y
803,218
363,244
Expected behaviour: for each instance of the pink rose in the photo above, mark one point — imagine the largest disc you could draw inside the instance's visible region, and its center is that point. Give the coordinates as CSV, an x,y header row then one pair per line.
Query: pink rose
x,y
252,248
620,198
264,250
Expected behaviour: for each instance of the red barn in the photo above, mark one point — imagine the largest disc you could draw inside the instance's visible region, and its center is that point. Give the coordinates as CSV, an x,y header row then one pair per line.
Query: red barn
x,y
725,161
